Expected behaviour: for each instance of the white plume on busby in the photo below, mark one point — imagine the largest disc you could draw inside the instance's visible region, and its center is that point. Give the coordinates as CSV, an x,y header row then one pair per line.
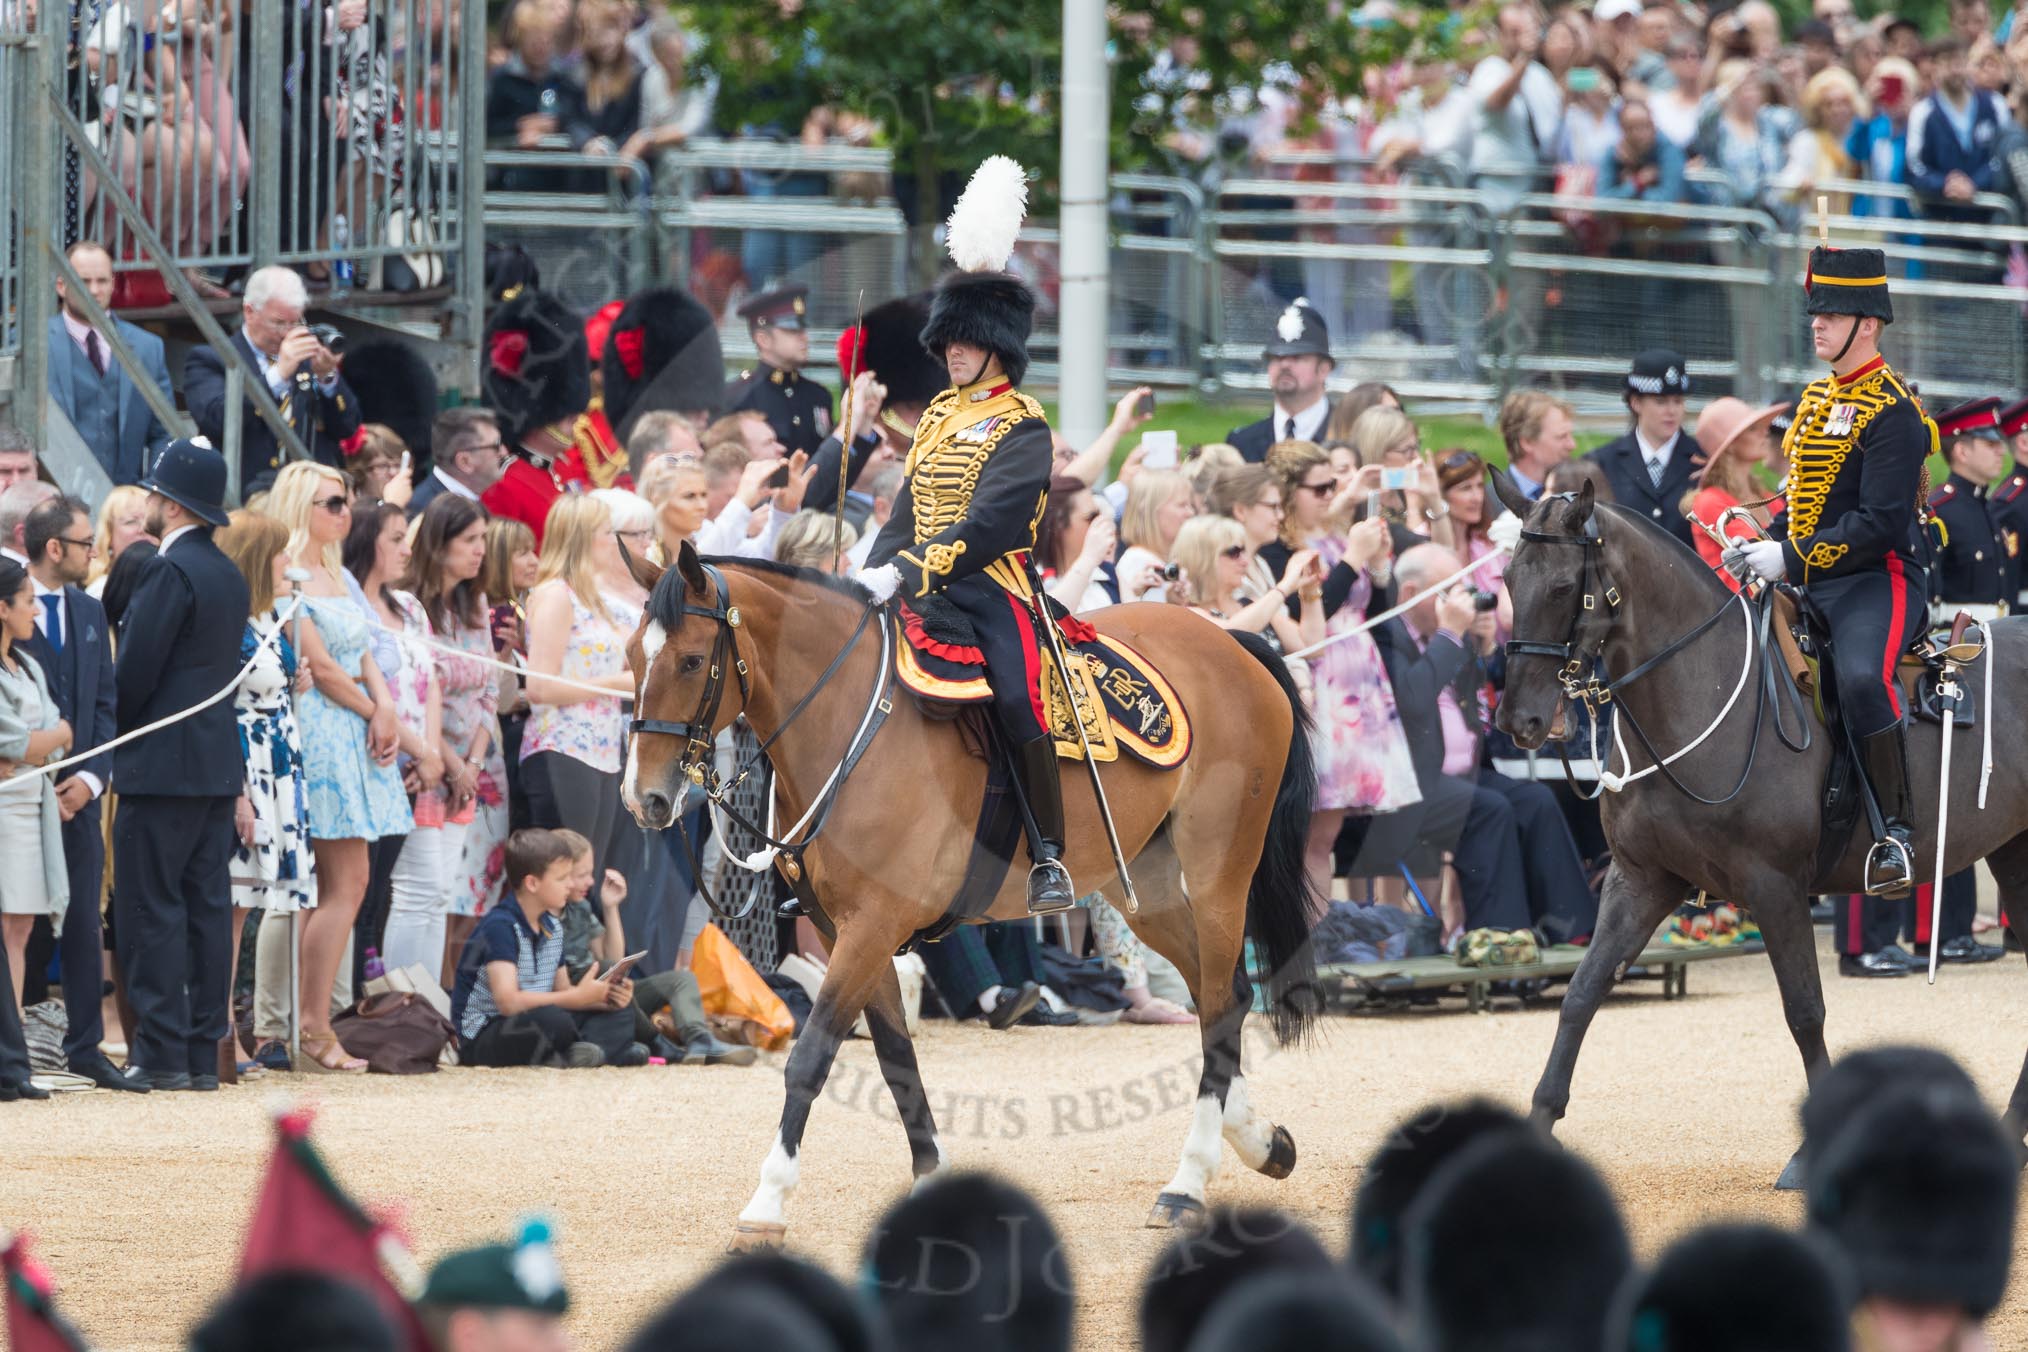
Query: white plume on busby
x,y
982,303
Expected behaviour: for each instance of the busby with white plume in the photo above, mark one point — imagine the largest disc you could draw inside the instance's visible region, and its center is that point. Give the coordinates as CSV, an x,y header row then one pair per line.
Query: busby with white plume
x,y
982,303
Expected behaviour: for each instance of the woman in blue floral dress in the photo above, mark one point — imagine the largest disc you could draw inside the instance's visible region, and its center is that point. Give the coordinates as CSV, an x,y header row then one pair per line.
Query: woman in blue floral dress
x,y
350,737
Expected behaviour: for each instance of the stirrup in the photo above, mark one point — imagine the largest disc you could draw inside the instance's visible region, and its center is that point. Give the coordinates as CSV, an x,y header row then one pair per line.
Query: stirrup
x,y
1040,878
1885,853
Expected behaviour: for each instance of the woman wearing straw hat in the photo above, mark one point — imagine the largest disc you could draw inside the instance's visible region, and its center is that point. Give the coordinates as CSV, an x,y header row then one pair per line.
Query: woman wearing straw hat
x,y
1736,444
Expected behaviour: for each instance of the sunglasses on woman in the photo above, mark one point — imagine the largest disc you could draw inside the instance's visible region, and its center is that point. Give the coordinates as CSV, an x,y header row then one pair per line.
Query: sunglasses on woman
x,y
1456,460
1232,552
1322,490
334,504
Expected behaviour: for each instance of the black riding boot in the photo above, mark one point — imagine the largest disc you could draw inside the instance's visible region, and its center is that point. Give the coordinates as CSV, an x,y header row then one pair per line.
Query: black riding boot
x,y
1890,865
1049,888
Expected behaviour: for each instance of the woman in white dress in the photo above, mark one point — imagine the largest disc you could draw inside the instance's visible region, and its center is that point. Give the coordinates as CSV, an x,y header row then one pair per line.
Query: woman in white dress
x,y
33,880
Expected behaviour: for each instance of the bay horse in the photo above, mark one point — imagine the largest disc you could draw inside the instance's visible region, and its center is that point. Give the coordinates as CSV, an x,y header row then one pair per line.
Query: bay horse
x,y
1215,844
1591,580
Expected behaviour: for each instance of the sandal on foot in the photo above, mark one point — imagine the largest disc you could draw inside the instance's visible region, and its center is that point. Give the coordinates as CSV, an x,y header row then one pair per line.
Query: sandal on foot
x,y
324,1056
1157,1010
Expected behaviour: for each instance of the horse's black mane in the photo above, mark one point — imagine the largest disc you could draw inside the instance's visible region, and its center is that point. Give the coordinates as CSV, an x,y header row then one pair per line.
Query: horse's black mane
x,y
665,603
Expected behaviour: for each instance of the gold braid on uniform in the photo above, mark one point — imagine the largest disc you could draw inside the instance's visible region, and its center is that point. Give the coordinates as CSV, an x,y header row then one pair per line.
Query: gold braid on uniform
x,y
1816,457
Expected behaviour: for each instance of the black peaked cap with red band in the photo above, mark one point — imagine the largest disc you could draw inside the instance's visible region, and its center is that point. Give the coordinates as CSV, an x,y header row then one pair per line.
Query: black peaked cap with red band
x,y
1977,418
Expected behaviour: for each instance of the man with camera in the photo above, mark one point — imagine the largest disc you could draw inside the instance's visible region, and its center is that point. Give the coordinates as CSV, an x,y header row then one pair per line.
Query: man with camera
x,y
299,365
1518,866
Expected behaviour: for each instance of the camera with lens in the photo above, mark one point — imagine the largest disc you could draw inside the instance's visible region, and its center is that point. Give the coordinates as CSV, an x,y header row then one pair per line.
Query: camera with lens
x,y
331,336
1172,572
1483,601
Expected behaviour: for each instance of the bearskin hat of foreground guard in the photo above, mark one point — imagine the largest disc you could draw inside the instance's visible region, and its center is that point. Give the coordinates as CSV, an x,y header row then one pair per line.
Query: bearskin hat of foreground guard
x,y
1409,1156
1521,1217
536,368
1737,1288
982,303
662,353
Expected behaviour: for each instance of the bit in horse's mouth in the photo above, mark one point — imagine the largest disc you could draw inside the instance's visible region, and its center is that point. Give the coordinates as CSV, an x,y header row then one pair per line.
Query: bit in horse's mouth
x,y
1559,726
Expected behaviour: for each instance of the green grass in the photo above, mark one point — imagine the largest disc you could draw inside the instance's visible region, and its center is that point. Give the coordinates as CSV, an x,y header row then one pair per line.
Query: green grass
x,y
1197,421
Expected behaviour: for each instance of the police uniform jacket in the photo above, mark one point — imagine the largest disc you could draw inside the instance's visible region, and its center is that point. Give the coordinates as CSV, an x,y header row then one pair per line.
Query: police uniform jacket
x,y
1975,562
798,408
973,493
1855,455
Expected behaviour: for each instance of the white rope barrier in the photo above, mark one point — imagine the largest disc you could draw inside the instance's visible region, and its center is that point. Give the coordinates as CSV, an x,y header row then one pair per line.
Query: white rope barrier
x,y
23,775
518,667
1405,606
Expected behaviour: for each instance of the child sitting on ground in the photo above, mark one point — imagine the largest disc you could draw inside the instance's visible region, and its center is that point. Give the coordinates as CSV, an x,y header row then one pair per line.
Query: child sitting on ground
x,y
681,1036
514,1005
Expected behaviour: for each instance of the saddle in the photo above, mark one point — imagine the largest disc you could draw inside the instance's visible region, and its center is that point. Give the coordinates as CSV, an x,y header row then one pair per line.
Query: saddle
x,y
1800,639
1126,701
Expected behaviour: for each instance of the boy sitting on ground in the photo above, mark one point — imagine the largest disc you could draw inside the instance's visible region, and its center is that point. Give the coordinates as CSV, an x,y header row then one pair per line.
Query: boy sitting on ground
x,y
514,1005
586,938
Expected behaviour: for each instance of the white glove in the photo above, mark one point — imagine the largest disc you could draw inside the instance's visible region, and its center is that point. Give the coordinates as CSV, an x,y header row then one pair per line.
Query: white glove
x,y
1505,531
1762,558
881,581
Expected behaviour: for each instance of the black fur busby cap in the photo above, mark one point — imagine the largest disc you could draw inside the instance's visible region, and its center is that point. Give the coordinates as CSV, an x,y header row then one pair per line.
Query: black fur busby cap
x,y
534,366
781,1279
1517,1215
1918,1192
745,1318
1198,1268
1399,1170
1298,1312
890,345
970,1261
982,303
396,387
1737,1288
662,353
1858,1078
1848,282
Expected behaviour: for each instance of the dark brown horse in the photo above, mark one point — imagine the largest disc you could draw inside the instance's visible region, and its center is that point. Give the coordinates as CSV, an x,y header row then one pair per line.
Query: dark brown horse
x,y
1214,844
1598,580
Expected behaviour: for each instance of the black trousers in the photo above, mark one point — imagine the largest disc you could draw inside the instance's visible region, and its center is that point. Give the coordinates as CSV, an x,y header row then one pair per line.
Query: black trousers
x,y
1861,924
972,959
14,1065
545,1032
172,901
565,792
1517,864
81,950
1008,639
1874,616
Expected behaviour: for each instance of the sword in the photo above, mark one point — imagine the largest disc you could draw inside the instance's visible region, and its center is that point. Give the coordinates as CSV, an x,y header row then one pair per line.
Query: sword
x,y
1947,696
1075,692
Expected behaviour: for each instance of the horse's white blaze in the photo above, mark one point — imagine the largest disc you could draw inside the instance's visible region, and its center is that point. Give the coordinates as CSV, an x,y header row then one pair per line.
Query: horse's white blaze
x,y
1200,1152
777,1184
652,640
1249,1134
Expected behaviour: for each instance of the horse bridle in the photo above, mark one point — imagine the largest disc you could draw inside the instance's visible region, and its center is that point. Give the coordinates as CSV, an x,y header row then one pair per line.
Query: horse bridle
x,y
1601,597
699,756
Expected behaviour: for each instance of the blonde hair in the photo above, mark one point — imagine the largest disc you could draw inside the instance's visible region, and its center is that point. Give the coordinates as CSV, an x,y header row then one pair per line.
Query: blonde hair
x,y
1198,545
121,500
810,538
1822,85
1153,490
505,538
292,500
1522,414
1208,461
251,540
628,509
569,534
1377,430
658,480
579,846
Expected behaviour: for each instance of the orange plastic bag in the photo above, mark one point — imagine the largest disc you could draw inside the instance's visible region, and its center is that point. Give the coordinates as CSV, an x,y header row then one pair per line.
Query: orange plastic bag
x,y
732,989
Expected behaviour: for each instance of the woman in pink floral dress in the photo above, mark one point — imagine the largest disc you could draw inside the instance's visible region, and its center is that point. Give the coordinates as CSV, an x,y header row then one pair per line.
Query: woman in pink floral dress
x,y
1363,761
443,573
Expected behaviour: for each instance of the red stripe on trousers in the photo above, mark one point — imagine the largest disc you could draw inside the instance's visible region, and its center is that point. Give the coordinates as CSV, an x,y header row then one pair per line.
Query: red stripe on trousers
x,y
1031,659
1855,924
1897,593
1923,893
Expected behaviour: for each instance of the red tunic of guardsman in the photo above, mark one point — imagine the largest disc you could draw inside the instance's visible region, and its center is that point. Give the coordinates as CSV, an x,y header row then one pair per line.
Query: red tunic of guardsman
x,y
1850,532
955,549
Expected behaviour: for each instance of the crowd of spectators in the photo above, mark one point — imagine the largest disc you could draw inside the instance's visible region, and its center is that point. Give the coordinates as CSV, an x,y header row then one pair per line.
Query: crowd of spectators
x,y
1469,1232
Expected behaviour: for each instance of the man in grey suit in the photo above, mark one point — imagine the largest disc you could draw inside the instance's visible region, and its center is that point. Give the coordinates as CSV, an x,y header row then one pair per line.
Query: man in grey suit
x,y
88,382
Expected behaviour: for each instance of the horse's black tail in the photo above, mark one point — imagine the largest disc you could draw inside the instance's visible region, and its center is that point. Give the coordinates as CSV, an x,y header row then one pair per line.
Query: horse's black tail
x,y
1280,901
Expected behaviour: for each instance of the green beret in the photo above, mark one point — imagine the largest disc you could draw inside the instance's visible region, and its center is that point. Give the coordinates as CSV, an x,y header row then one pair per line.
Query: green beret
x,y
520,1276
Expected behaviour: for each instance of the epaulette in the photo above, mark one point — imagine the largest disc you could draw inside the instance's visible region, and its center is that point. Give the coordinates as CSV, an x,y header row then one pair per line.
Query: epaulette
x,y
1943,495
2012,489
